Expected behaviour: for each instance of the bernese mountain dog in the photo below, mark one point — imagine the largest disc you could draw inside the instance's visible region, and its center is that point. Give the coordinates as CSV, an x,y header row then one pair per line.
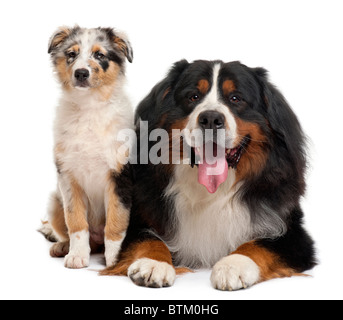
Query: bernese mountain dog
x,y
227,196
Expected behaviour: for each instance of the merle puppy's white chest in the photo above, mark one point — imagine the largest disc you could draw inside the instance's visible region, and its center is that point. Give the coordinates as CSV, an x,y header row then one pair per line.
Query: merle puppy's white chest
x,y
86,140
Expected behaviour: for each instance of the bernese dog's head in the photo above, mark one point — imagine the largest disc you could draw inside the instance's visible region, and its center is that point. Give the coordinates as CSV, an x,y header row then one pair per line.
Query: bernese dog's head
x,y
244,124
89,59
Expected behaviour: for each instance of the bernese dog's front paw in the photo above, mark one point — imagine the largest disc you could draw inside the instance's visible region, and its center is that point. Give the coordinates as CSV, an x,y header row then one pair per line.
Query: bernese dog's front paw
x,y
152,273
234,272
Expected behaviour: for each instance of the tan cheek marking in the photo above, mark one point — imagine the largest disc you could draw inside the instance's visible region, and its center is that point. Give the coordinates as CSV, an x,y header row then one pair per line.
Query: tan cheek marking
x,y
268,262
111,74
93,64
102,81
64,72
255,156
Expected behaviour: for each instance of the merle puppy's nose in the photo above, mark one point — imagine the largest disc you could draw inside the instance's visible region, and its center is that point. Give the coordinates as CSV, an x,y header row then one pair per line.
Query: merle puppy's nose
x,y
81,74
211,120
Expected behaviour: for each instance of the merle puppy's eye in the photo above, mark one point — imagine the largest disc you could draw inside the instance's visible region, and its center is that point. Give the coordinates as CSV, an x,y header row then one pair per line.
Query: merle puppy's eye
x,y
235,98
71,55
194,98
99,55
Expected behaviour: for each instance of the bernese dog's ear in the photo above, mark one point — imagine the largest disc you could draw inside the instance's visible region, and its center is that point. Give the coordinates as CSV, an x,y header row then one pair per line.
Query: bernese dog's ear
x,y
280,115
176,70
281,119
261,72
150,108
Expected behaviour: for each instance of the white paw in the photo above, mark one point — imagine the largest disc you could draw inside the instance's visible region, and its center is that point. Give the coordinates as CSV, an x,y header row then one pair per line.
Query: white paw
x,y
234,272
151,273
112,249
79,252
72,261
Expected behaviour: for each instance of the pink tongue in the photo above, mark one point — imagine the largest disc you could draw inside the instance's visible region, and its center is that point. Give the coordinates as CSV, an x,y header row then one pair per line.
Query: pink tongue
x,y
214,169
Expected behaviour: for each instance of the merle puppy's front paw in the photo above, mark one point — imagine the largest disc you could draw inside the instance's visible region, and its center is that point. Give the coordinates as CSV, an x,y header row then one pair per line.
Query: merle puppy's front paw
x,y
73,261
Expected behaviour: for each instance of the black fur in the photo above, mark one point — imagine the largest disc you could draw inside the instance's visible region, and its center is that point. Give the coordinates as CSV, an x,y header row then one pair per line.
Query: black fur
x,y
113,56
123,183
104,64
295,248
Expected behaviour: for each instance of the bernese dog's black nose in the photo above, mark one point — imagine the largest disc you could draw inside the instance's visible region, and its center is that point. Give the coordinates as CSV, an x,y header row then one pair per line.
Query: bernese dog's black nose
x,y
81,74
211,120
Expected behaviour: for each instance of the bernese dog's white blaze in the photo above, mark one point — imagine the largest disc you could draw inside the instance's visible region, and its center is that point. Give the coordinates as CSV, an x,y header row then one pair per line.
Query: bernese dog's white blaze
x,y
212,102
88,209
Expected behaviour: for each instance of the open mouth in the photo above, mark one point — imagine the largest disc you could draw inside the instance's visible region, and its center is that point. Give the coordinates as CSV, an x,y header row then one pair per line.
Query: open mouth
x,y
233,156
213,162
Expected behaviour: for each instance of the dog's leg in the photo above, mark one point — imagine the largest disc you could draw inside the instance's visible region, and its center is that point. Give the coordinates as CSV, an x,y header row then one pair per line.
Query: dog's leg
x,y
148,263
75,211
117,218
265,259
58,227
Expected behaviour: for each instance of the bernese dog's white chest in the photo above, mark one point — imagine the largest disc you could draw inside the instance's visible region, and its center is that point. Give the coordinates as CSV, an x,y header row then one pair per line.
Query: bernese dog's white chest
x,y
208,226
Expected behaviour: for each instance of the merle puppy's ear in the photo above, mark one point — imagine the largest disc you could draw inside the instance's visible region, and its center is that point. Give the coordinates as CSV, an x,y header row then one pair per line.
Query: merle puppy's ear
x,y
149,108
121,42
59,37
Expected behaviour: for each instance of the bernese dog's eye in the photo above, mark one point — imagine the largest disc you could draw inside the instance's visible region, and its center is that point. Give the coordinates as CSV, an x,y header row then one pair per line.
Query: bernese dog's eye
x,y
194,98
99,55
235,98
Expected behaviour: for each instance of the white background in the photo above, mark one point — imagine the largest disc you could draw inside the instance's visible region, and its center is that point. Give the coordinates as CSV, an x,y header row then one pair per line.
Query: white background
x,y
299,42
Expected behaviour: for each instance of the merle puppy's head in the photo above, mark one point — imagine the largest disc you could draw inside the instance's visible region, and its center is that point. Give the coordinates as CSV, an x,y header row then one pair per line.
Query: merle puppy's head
x,y
87,59
243,120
